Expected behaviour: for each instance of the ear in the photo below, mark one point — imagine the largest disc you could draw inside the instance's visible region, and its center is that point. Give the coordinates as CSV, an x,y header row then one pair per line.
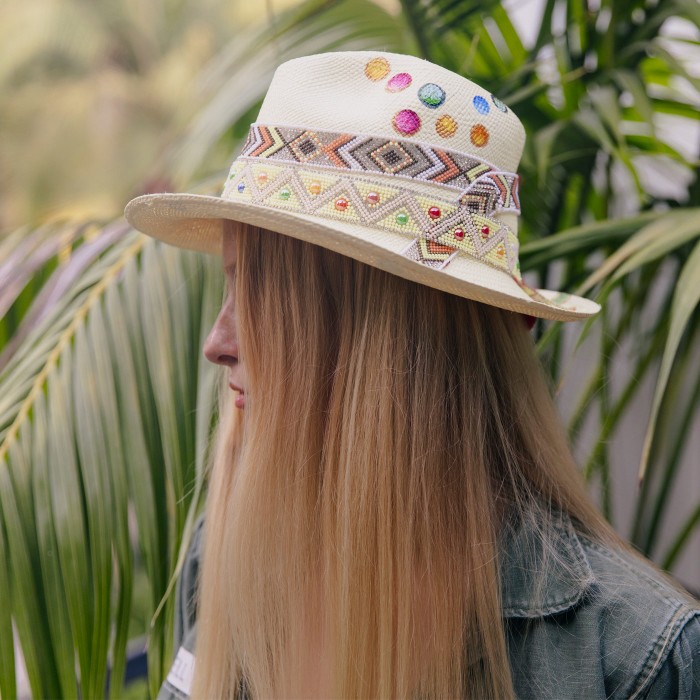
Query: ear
x,y
529,321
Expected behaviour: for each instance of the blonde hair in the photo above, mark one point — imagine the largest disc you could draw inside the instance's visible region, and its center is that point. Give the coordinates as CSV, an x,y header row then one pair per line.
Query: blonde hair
x,y
392,431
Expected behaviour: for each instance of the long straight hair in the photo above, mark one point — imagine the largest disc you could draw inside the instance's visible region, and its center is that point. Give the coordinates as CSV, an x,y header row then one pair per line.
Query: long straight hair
x,y
391,433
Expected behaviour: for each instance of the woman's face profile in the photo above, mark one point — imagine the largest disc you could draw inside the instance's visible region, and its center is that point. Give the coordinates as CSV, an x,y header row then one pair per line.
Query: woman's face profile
x,y
221,346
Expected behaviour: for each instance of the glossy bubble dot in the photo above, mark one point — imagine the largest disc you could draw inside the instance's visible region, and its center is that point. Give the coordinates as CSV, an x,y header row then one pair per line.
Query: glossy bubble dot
x,y
241,187
372,197
406,122
285,193
446,126
399,82
402,218
480,104
377,69
315,188
479,135
431,95
498,103
459,233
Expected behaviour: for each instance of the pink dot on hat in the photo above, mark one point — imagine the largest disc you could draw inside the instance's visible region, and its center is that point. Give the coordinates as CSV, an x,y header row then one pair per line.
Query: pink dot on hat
x,y
406,122
399,82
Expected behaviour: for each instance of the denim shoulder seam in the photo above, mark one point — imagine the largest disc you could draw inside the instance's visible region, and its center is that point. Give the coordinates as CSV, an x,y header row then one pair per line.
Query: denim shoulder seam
x,y
680,613
665,590
661,648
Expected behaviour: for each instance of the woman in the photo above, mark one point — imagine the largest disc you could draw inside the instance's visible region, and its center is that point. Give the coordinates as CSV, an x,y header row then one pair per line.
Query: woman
x,y
393,509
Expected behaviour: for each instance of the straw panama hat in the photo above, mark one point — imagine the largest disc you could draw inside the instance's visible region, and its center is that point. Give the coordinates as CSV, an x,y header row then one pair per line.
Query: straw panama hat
x,y
389,159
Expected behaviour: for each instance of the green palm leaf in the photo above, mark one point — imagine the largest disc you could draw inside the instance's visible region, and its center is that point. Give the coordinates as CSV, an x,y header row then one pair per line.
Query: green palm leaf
x,y
130,423
685,300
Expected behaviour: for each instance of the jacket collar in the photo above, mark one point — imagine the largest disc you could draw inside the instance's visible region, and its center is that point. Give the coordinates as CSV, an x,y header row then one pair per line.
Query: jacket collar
x,y
544,569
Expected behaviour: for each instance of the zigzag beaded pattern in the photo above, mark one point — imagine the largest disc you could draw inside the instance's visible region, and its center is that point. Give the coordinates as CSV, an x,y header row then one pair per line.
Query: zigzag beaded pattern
x,y
370,154
440,227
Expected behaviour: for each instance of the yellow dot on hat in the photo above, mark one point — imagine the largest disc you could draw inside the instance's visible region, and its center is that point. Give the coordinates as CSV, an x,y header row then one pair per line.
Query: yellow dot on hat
x,y
377,68
446,126
479,135
315,188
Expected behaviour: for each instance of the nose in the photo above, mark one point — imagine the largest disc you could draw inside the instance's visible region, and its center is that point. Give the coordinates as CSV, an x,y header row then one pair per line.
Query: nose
x,y
221,345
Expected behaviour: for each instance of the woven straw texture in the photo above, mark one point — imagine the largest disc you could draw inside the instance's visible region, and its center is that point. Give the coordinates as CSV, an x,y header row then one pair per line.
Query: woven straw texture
x,y
389,159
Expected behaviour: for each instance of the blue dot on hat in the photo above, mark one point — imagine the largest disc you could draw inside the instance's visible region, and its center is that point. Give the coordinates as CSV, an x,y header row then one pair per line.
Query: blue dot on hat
x,y
431,95
481,105
499,104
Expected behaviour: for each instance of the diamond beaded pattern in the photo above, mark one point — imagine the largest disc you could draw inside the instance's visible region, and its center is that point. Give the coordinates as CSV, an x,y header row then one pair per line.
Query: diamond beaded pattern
x,y
434,222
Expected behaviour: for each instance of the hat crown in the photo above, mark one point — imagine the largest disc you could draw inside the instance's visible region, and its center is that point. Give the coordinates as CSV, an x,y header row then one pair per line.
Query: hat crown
x,y
396,97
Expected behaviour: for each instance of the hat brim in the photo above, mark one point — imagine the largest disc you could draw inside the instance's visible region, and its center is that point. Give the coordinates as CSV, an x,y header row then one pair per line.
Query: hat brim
x,y
194,222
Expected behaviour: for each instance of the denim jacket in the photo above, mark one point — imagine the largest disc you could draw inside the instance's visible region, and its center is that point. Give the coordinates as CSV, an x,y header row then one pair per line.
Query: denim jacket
x,y
600,622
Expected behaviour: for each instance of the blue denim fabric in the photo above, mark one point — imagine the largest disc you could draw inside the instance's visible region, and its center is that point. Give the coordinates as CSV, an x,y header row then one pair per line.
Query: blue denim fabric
x,y
602,624
583,620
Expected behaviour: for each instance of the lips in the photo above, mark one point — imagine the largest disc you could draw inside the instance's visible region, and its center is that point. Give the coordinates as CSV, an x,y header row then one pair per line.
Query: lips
x,y
240,399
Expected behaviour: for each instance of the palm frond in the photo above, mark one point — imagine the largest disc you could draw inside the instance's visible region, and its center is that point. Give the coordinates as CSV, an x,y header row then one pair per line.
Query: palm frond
x,y
111,414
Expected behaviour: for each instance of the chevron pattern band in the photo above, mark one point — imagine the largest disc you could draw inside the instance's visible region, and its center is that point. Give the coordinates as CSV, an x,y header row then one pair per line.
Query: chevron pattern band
x,y
343,177
370,154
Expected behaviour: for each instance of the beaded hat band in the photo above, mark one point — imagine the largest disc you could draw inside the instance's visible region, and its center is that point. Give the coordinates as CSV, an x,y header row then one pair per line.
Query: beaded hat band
x,y
420,183
344,177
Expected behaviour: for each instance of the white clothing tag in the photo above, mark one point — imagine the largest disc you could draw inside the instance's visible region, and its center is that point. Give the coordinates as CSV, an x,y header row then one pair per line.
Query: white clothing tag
x,y
181,673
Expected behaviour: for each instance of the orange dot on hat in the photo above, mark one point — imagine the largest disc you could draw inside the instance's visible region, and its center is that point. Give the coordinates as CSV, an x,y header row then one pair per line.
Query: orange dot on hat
x,y
446,126
377,68
479,135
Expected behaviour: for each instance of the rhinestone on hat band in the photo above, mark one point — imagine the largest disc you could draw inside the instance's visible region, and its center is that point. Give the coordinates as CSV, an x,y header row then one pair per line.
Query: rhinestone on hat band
x,y
358,179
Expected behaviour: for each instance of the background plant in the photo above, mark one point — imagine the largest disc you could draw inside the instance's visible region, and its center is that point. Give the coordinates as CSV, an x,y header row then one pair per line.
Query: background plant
x,y
105,401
